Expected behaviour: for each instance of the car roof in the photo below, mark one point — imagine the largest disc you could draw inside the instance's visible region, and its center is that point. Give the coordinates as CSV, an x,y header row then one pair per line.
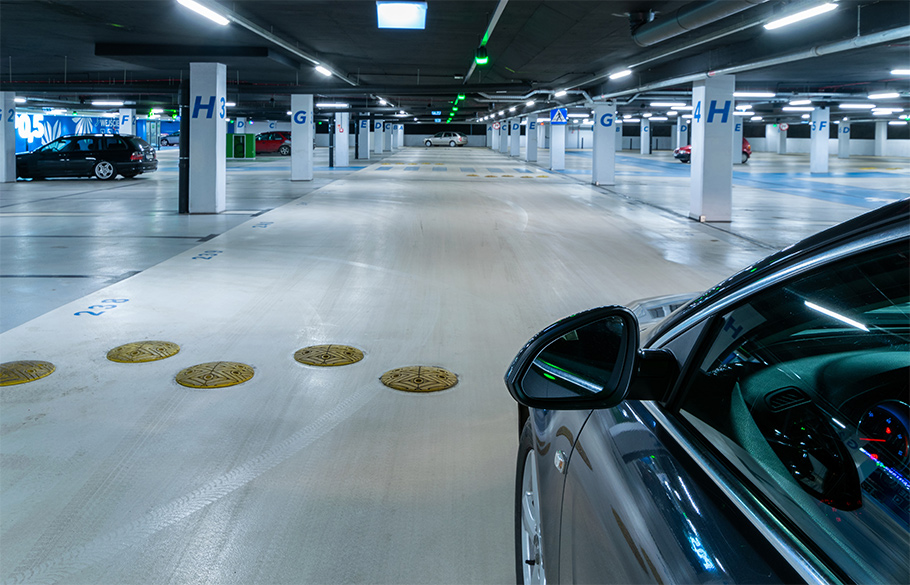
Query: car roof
x,y
894,216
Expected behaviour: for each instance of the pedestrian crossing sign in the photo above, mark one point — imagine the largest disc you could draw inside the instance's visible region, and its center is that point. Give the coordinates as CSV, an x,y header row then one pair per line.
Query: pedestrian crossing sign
x,y
559,116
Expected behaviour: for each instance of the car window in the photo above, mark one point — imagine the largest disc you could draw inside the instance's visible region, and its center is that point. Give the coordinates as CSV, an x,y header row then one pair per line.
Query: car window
x,y
438,135
83,144
55,146
804,388
113,143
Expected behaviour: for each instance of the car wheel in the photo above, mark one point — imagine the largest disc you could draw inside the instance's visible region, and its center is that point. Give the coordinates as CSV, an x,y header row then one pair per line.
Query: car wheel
x,y
451,143
164,142
428,143
529,567
745,158
284,150
104,170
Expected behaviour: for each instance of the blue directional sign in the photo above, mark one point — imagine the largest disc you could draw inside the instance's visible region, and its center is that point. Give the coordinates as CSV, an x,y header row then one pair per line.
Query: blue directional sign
x,y
559,116
437,112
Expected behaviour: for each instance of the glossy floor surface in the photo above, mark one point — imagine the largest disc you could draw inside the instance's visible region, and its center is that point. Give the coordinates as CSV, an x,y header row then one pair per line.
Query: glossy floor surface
x,y
115,473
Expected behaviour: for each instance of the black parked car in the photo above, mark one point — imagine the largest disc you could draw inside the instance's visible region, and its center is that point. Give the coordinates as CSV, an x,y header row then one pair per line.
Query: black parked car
x,y
88,155
758,434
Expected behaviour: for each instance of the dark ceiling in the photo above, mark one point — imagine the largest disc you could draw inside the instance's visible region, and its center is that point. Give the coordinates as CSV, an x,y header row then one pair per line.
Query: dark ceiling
x,y
63,52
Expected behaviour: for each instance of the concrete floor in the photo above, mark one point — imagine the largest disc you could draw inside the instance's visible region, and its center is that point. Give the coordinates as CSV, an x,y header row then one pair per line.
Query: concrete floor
x,y
114,473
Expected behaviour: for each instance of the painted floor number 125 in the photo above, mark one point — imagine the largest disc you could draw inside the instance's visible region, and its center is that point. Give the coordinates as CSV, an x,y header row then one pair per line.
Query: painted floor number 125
x,y
97,310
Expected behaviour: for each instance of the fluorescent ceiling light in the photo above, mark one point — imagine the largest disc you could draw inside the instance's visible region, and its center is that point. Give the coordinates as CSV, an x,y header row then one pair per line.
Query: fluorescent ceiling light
x,y
900,72
542,120
667,104
289,112
800,102
578,115
897,123
883,96
530,103
632,120
560,93
881,112
323,70
20,100
857,106
513,108
230,104
801,16
837,316
407,15
106,103
755,119
688,116
672,113
157,110
588,122
199,9
621,74
746,107
682,108
806,116
648,115
742,113
659,119
798,109
501,112
754,94
329,105
626,116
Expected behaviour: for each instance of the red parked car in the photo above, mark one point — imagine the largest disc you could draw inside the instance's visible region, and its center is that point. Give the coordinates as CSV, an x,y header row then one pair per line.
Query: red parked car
x,y
269,142
684,153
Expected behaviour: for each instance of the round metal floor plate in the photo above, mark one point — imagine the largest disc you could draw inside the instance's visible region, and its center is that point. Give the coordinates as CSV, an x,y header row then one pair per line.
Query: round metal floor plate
x,y
328,355
143,351
419,379
12,373
215,375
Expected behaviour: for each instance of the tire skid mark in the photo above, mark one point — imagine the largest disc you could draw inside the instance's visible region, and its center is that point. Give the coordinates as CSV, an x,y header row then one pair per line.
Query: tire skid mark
x,y
164,516
100,486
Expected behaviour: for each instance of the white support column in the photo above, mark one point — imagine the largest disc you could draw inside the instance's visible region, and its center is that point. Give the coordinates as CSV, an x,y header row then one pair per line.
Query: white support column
x,y
645,143
782,139
531,133
240,126
557,147
127,121
618,134
489,143
363,139
504,136
394,141
682,132
543,133
401,136
515,145
820,121
208,129
303,131
378,136
387,137
603,166
738,132
496,137
843,139
881,137
8,137
342,139
772,135
712,165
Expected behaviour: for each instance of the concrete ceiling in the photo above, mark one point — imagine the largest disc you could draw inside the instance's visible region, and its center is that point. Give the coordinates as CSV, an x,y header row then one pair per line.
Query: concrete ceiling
x,y
67,52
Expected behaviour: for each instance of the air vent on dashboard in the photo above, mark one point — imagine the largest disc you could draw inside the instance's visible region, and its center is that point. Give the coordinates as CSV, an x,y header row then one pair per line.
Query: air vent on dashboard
x,y
785,398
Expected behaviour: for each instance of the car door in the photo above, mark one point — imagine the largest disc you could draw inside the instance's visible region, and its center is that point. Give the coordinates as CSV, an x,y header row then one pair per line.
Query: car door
x,y
50,159
636,509
81,155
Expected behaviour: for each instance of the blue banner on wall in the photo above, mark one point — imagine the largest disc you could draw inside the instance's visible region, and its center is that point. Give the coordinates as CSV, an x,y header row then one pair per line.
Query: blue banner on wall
x,y
34,130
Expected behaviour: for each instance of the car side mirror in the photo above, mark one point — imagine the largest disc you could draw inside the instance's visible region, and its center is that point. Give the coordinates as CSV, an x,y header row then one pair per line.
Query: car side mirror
x,y
589,360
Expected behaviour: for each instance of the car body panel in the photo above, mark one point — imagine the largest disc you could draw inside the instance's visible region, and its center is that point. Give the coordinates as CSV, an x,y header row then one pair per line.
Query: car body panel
x,y
269,142
77,155
684,153
169,139
446,139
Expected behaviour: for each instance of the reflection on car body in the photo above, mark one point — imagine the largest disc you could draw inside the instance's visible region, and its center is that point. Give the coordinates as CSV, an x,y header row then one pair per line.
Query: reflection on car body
x,y
102,156
760,436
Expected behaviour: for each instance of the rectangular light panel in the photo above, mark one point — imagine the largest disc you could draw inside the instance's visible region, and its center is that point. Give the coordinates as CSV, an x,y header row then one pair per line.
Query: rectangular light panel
x,y
407,15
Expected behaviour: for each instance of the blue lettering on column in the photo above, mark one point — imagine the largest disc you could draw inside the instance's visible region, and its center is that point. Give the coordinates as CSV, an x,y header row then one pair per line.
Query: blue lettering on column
x,y
300,117
846,130
683,128
209,108
739,127
221,113
125,119
363,124
713,109
378,126
733,328
532,125
516,126
822,125
606,120
646,129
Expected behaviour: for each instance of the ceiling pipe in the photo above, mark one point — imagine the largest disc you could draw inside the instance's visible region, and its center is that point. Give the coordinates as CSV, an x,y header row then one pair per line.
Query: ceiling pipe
x,y
895,34
271,37
486,36
688,18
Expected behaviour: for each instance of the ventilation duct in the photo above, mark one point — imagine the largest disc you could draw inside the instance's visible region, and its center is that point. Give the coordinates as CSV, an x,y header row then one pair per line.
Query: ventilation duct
x,y
687,18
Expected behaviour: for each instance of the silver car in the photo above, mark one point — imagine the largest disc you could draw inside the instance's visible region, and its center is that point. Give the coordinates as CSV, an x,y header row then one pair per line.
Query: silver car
x,y
446,138
169,139
758,434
